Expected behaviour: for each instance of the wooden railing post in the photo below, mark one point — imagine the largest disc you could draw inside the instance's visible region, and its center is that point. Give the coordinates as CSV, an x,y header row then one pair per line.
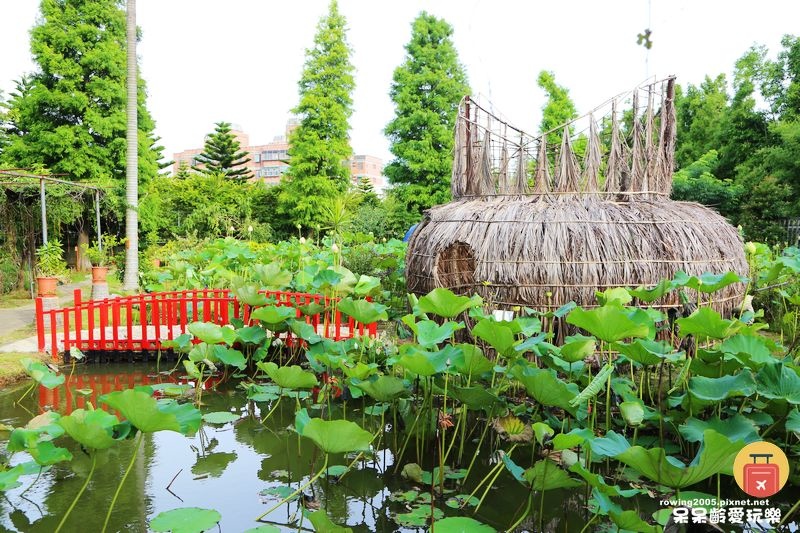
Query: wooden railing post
x,y
40,324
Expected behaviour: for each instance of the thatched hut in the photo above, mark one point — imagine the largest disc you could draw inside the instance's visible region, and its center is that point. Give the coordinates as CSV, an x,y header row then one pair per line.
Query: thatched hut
x,y
539,227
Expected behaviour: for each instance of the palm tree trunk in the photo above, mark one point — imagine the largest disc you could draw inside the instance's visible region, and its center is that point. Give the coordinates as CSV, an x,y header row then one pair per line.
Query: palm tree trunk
x,y
131,280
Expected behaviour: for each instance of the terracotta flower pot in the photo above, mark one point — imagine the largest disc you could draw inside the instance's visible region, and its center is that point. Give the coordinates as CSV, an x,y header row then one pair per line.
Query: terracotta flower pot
x,y
99,274
156,263
46,286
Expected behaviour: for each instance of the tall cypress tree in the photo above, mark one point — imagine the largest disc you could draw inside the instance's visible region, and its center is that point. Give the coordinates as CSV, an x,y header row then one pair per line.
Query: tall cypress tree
x,y
222,154
320,145
426,90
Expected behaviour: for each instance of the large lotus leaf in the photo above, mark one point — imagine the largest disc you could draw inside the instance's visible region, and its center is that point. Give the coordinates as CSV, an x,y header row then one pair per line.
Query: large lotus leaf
x,y
322,524
793,422
273,315
148,415
752,349
383,388
525,325
615,296
576,437
363,311
358,370
249,295
611,445
597,482
609,323
461,524
182,343
647,318
647,352
336,436
347,281
424,363
717,389
46,453
444,303
778,382
251,334
547,475
8,478
735,428
705,323
577,348
185,520
631,521
220,417
473,363
429,333
230,357
498,335
305,331
632,411
707,282
652,294
546,388
93,429
207,332
40,373
213,464
477,397
272,276
367,286
202,351
715,456
288,377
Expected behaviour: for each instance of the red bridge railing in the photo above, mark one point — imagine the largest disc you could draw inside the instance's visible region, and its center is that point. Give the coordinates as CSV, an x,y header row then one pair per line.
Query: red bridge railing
x,y
143,321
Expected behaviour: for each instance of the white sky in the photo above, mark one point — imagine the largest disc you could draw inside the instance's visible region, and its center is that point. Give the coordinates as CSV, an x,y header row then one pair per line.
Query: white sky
x,y
239,61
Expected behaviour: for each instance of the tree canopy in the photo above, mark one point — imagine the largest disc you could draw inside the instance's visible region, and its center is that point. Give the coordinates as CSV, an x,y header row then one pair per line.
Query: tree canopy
x,y
222,154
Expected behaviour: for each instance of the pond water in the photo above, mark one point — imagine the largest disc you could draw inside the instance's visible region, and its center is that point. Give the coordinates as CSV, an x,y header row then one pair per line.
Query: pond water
x,y
228,467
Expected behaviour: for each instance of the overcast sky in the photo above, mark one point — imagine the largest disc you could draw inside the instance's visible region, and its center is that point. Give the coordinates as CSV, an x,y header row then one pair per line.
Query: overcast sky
x,y
239,60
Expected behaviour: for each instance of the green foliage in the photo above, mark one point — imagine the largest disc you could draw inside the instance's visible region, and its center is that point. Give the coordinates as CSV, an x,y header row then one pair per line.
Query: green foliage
x,y
50,259
320,145
697,183
101,255
222,154
426,90
557,110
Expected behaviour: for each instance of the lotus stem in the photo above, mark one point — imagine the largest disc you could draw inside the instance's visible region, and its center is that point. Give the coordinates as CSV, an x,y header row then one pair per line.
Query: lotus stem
x,y
299,489
524,513
790,513
124,477
77,496
477,450
263,420
24,394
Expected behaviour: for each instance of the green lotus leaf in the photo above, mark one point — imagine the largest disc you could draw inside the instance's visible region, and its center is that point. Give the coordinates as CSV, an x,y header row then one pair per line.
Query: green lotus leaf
x,y
251,334
577,348
750,349
367,286
477,397
609,323
715,456
207,332
705,323
546,388
185,520
311,309
652,294
213,464
717,389
273,315
383,388
597,482
92,429
288,377
614,296
632,412
363,311
40,373
249,295
272,276
444,303
424,363
358,370
430,334
777,381
231,357
793,422
631,521
707,282
498,335
576,437
547,475
322,524
220,417
305,331
148,415
473,363
737,427
647,352
461,524
335,436
611,445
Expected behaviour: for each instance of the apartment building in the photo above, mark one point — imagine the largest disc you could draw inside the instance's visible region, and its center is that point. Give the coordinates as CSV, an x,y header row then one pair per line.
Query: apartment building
x,y
268,162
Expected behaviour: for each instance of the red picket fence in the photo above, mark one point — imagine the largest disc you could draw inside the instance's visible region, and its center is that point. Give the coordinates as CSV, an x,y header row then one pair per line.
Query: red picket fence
x,y
143,321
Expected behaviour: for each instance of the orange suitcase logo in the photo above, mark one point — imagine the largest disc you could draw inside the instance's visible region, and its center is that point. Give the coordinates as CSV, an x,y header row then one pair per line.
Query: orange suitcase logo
x,y
761,469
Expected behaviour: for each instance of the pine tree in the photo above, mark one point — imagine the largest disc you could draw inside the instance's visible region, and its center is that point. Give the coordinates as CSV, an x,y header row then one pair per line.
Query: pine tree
x,y
222,154
319,147
426,90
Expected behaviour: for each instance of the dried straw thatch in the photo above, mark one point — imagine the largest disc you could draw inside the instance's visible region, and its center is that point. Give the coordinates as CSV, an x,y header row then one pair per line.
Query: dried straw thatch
x,y
587,221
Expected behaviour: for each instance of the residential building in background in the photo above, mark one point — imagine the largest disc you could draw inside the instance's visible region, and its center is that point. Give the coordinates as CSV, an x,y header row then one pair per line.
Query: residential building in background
x,y
270,161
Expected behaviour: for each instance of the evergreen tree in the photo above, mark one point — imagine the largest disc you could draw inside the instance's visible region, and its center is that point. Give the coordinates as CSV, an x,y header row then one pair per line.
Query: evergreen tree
x,y
366,192
701,113
426,90
320,146
69,115
557,110
222,154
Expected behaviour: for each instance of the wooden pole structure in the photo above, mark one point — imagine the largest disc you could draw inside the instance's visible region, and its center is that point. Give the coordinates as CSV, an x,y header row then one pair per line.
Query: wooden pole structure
x,y
44,210
97,218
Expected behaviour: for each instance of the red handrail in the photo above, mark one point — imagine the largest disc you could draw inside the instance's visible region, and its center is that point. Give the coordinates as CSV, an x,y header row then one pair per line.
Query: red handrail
x,y
152,318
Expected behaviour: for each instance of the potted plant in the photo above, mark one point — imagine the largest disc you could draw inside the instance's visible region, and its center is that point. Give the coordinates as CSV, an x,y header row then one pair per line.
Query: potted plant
x,y
101,257
50,265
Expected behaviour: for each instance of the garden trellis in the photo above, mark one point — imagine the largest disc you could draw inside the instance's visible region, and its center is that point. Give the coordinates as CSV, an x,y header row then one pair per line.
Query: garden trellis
x,y
538,224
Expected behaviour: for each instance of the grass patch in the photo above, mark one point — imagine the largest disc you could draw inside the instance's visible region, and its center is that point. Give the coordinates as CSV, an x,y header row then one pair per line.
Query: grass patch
x,y
15,299
18,334
11,370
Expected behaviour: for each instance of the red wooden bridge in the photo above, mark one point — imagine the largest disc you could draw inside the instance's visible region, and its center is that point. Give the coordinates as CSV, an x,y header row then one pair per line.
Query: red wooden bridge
x,y
143,322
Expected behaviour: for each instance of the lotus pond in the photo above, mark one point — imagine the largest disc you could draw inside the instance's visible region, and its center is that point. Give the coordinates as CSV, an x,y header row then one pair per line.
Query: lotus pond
x,y
509,430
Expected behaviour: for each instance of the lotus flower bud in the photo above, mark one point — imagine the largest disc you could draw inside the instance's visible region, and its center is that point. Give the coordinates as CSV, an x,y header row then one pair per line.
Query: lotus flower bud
x,y
335,248
249,229
750,248
302,240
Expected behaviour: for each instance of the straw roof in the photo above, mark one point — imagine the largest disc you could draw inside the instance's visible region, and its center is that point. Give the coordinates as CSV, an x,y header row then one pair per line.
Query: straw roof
x,y
538,225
